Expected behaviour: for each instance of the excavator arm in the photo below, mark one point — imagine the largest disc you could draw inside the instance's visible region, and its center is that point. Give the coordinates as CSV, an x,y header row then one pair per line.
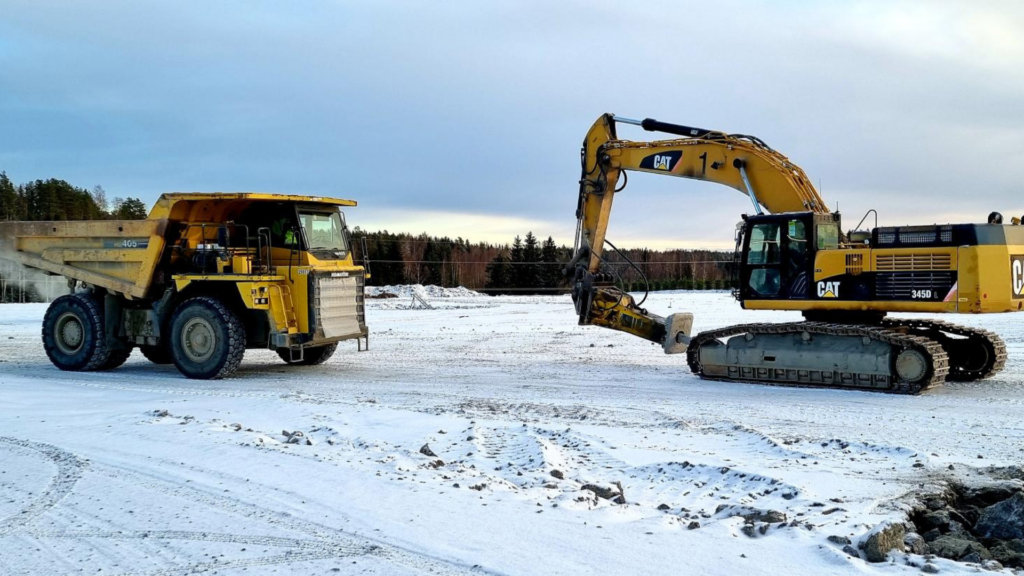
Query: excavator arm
x,y
742,162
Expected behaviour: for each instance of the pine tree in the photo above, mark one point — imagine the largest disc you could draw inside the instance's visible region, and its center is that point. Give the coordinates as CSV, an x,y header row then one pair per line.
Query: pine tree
x,y
530,274
551,272
129,209
499,273
9,204
515,278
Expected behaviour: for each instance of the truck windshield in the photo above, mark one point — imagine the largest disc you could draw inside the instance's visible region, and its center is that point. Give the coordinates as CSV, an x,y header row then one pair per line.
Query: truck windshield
x,y
324,231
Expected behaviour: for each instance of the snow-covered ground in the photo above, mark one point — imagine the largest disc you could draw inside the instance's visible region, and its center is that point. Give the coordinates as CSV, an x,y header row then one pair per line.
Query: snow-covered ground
x,y
521,407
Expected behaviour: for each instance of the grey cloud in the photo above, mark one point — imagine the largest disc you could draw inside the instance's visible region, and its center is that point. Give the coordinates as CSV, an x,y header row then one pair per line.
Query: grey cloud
x,y
480,106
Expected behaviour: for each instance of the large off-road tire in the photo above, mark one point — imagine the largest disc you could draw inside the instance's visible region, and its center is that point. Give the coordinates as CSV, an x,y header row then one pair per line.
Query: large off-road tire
x,y
207,339
310,356
73,334
160,354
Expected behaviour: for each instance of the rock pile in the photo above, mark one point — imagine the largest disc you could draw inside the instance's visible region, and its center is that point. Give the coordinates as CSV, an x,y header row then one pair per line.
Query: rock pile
x,y
979,524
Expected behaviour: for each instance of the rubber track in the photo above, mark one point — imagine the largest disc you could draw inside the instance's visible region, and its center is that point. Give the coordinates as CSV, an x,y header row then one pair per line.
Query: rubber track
x,y
997,345
939,360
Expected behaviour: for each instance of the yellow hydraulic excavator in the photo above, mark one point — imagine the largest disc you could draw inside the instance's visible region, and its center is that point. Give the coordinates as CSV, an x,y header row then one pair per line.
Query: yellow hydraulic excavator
x,y
791,254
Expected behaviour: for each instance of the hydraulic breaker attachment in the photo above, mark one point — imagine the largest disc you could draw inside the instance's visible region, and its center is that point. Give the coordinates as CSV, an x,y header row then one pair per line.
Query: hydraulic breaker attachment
x,y
599,302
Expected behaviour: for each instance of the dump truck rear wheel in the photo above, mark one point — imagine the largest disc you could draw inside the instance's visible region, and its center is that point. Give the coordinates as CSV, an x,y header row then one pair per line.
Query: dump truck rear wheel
x,y
207,339
73,335
157,354
310,356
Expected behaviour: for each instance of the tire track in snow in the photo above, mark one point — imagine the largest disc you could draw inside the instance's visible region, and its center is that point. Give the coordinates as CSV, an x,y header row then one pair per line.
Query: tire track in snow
x,y
69,471
327,543
331,540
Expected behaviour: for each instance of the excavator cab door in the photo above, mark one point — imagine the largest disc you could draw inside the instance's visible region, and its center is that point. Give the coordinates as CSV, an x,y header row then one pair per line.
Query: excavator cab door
x,y
776,257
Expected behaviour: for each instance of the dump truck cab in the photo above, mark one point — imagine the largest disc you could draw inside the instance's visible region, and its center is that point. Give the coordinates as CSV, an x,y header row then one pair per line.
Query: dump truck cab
x,y
289,259
204,277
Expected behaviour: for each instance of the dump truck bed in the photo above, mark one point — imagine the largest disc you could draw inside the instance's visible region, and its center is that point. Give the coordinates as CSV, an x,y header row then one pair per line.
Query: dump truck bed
x,y
118,255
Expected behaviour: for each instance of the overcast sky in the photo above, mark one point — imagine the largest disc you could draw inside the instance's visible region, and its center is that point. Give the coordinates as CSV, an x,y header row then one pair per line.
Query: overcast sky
x,y
465,118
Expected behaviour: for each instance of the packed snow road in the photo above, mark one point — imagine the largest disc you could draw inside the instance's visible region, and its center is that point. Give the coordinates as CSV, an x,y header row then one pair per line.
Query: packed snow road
x,y
461,443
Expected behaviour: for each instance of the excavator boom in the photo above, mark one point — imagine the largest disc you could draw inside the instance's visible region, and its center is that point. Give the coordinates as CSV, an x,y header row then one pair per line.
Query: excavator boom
x,y
738,161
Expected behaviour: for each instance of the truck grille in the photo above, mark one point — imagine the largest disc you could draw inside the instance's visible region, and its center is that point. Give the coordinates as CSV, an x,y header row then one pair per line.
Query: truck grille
x,y
338,306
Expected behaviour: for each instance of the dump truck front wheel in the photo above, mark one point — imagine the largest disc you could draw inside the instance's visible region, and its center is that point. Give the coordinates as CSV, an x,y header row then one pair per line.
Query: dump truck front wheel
x,y
73,335
207,339
310,356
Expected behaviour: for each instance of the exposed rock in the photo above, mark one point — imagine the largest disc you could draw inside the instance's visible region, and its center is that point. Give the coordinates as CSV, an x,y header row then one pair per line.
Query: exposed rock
x,y
973,558
929,569
752,515
748,529
1009,553
957,548
886,537
1004,520
663,507
851,551
693,525
960,531
982,496
915,543
991,565
937,520
839,540
932,535
426,451
602,491
558,474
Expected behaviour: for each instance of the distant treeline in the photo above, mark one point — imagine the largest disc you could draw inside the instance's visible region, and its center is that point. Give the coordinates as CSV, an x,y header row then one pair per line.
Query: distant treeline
x,y
526,265
58,200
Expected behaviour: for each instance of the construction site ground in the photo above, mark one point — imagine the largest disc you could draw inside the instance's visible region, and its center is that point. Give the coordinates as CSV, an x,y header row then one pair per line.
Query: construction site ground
x,y
461,442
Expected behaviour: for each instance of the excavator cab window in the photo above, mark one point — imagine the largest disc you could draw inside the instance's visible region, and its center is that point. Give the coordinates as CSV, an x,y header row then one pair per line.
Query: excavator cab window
x,y
763,257
777,258
828,236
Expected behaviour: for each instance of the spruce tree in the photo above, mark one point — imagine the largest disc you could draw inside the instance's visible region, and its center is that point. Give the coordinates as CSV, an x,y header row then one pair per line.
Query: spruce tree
x,y
498,273
551,271
530,275
515,279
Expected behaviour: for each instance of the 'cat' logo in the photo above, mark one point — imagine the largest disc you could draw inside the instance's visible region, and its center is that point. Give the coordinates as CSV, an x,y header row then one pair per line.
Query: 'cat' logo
x,y
665,161
1017,276
828,289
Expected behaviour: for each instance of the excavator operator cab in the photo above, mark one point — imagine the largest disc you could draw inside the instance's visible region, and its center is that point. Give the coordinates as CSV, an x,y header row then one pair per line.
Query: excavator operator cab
x,y
776,253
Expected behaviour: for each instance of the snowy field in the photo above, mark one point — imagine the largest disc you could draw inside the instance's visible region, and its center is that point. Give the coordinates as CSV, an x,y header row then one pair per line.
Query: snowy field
x,y
140,471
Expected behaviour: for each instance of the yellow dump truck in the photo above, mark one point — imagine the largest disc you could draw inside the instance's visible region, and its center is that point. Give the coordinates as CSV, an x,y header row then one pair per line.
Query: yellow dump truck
x,y
203,278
